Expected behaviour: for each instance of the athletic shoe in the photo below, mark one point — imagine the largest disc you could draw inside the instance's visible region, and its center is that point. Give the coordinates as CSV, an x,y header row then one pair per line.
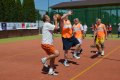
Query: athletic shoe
x,y
75,56
98,53
102,54
44,62
52,73
66,64
79,52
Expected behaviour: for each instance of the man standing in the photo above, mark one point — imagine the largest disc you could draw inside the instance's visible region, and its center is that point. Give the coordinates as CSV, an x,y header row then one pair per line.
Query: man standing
x,y
67,37
101,33
110,30
78,33
119,30
85,29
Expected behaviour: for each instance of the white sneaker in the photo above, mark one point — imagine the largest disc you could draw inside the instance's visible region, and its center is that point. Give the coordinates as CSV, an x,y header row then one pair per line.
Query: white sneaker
x,y
66,64
102,54
75,56
98,53
44,62
52,73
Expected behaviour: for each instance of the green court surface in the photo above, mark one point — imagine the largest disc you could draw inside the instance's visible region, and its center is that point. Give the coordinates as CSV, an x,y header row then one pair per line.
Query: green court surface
x,y
8,40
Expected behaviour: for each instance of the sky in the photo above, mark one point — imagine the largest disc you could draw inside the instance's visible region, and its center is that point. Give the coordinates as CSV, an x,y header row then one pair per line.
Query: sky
x,y
43,4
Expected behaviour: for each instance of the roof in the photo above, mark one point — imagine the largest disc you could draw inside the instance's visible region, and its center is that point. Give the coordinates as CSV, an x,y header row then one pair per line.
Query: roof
x,y
85,3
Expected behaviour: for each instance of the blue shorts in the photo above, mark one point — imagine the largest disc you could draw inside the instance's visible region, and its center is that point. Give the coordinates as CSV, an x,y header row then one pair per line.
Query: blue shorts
x,y
69,42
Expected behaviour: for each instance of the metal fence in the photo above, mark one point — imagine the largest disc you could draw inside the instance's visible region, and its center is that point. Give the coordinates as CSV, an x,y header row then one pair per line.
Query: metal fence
x,y
108,14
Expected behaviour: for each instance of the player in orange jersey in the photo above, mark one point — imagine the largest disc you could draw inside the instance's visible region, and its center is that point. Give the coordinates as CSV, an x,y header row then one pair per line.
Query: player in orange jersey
x,y
101,33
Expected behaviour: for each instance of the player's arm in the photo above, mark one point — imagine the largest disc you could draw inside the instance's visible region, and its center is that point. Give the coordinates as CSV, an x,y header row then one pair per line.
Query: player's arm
x,y
82,30
105,30
65,15
56,23
95,33
83,34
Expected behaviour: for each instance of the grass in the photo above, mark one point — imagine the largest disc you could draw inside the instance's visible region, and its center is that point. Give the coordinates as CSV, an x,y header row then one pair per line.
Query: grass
x,y
114,37
8,40
15,39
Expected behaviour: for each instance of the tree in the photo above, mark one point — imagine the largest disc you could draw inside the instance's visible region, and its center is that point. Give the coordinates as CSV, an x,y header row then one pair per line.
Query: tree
x,y
19,12
29,11
9,10
1,11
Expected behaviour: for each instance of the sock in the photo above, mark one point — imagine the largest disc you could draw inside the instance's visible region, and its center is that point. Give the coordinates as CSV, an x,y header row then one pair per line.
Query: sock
x,y
75,52
66,60
50,70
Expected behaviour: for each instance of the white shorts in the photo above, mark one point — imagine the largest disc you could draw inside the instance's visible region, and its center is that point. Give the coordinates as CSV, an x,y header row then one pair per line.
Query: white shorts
x,y
80,40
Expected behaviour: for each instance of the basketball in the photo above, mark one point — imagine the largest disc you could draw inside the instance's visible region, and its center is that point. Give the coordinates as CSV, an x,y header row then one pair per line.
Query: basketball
x,y
58,16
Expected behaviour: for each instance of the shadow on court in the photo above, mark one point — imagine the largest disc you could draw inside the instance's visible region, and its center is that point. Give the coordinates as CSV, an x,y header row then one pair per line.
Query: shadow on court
x,y
69,61
95,55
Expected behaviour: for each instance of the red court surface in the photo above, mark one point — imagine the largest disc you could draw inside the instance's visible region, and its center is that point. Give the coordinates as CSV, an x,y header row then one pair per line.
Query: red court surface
x,y
21,61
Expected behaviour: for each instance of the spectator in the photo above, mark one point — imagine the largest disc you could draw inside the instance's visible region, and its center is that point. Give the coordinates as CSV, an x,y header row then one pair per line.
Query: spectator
x,y
119,30
110,30
93,29
107,29
85,29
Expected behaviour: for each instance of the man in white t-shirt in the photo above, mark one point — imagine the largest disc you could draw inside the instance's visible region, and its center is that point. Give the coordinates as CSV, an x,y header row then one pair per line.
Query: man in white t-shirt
x,y
47,43
85,29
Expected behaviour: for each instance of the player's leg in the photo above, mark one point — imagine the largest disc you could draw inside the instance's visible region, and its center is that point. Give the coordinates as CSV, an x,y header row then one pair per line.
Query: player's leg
x,y
77,49
51,51
66,58
102,46
80,47
51,69
52,62
66,47
98,46
77,44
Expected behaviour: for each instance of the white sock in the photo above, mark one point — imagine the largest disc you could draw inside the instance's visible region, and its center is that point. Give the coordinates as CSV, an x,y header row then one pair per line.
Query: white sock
x,y
66,60
75,52
50,70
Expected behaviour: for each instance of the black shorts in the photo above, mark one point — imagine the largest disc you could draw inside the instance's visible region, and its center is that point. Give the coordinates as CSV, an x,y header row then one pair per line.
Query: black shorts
x,y
118,32
110,31
69,42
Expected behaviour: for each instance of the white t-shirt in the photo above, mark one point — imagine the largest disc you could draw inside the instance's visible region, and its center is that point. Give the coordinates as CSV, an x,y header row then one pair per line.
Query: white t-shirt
x,y
85,27
47,33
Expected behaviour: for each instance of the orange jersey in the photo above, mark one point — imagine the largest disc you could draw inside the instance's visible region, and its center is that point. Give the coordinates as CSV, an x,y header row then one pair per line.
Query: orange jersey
x,y
100,30
78,30
67,29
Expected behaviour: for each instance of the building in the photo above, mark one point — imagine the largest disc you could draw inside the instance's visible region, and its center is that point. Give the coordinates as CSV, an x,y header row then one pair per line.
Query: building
x,y
89,10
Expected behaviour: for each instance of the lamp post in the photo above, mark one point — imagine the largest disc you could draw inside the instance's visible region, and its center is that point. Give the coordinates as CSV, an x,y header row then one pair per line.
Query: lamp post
x,y
48,6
